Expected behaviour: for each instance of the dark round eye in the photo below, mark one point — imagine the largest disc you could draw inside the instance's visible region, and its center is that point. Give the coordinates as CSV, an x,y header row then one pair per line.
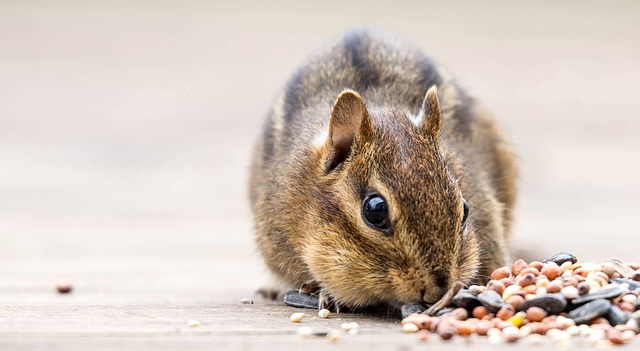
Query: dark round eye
x,y
376,212
465,205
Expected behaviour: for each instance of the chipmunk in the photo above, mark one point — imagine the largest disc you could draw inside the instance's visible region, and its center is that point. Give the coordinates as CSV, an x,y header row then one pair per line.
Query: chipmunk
x,y
377,180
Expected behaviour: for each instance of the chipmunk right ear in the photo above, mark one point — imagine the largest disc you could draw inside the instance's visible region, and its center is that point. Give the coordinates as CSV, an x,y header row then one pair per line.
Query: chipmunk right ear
x,y
349,119
431,113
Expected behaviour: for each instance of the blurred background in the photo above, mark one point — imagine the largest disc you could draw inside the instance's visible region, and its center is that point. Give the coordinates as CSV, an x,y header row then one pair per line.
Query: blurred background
x,y
126,130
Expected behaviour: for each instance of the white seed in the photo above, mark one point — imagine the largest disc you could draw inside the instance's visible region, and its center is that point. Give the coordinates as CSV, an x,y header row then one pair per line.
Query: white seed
x,y
494,332
477,289
193,323
511,333
573,330
565,266
349,326
334,335
570,292
352,331
535,339
297,317
246,301
495,339
410,328
630,298
305,331
596,334
509,290
628,335
565,322
585,330
525,330
541,291
324,313
560,336
567,273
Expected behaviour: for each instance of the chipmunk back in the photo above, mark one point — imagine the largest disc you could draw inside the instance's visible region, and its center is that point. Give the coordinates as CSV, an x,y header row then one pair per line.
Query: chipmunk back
x,y
378,180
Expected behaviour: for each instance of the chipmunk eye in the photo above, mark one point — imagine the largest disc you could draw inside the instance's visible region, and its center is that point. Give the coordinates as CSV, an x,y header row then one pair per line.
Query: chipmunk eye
x,y
376,212
465,215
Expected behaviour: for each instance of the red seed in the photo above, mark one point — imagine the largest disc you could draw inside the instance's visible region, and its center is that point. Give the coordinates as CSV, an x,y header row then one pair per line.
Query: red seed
x,y
483,327
446,333
502,272
464,329
536,314
615,336
530,270
506,311
626,306
480,312
554,286
496,285
423,335
538,328
423,321
551,271
518,266
515,300
536,264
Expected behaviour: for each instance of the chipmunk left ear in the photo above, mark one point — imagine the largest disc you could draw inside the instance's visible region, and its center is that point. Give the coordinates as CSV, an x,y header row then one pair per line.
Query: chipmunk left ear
x,y
349,120
431,114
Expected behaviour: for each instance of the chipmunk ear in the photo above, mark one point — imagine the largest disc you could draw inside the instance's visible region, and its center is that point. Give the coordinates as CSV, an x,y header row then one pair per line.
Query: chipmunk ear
x,y
349,119
431,114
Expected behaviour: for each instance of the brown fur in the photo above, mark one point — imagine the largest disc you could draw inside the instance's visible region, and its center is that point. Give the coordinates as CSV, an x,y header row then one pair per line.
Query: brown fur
x,y
423,151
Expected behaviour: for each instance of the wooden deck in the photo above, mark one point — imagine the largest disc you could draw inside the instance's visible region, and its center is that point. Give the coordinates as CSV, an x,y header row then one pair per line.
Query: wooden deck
x,y
126,131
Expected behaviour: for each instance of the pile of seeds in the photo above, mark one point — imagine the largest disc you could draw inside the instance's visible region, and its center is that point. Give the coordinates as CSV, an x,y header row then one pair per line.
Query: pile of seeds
x,y
598,301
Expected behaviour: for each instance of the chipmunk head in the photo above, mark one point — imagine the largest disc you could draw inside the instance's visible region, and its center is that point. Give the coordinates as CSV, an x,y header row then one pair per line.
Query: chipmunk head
x,y
390,224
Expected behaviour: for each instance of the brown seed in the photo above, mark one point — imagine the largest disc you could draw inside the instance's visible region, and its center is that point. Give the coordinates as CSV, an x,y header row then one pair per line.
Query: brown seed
x,y
517,266
615,336
573,281
507,311
64,287
464,329
502,272
496,285
460,313
536,314
525,280
446,333
554,287
515,300
480,312
583,288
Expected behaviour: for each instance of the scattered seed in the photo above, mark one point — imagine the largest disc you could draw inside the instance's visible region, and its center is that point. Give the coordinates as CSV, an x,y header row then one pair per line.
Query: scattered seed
x,y
334,335
410,328
64,287
304,331
193,323
297,317
246,301
324,313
